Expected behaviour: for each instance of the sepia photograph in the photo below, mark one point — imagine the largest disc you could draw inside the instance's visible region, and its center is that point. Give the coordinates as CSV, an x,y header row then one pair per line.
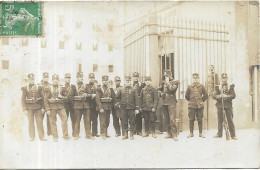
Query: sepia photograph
x,y
129,84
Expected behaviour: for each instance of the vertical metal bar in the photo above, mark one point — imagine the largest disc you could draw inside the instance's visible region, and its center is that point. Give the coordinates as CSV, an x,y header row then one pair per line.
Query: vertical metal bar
x,y
179,60
182,58
186,58
225,50
175,51
255,94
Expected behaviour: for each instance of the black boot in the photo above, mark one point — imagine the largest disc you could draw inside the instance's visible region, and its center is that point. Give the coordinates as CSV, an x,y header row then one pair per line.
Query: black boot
x,y
191,124
200,129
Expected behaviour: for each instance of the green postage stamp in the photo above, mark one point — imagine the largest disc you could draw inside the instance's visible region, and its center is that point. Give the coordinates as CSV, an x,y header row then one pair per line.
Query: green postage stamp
x,y
21,19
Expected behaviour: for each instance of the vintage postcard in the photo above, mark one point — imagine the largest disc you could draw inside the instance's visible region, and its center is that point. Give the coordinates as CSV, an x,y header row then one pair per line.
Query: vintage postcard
x,y
122,84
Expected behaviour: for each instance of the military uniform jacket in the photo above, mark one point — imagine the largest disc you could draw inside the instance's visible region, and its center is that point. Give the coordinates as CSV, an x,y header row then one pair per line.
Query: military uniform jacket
x,y
226,100
196,94
92,101
79,94
168,96
65,90
32,97
104,98
116,100
52,98
148,98
128,97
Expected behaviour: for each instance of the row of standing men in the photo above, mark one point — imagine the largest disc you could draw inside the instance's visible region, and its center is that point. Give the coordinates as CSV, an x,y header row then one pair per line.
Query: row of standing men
x,y
128,104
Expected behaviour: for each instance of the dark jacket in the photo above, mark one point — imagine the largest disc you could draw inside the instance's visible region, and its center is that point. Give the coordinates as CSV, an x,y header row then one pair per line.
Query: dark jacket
x,y
168,93
148,98
196,94
32,97
79,94
92,101
226,100
104,98
65,90
52,98
128,97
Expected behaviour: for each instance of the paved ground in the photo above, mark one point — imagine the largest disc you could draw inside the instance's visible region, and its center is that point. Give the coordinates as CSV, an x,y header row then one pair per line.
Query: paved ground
x,y
17,152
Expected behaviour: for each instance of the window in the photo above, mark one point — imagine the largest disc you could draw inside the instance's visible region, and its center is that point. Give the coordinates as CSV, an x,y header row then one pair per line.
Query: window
x,y
25,42
61,21
5,64
110,48
5,41
95,47
61,45
80,67
96,28
43,43
110,26
110,68
95,68
78,45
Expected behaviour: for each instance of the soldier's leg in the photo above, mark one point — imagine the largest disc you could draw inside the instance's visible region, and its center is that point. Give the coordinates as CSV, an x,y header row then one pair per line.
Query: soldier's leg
x,y
131,115
167,121
107,120
53,120
152,120
102,119
94,116
191,115
39,123
172,114
73,120
200,119
124,123
231,126
64,122
146,122
86,113
78,114
138,121
49,132
116,122
31,124
220,122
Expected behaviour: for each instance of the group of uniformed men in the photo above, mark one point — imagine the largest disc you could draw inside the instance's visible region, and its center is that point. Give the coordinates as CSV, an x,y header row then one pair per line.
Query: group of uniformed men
x,y
128,104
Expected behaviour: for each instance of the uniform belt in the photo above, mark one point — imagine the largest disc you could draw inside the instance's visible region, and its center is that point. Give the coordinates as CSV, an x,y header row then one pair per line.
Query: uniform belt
x,y
169,95
55,101
106,100
33,100
79,98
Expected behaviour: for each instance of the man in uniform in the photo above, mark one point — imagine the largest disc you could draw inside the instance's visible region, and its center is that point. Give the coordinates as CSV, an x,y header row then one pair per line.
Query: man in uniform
x,y
227,94
116,110
32,103
80,93
168,95
93,105
45,85
53,102
129,104
148,105
104,99
138,118
213,80
196,94
68,105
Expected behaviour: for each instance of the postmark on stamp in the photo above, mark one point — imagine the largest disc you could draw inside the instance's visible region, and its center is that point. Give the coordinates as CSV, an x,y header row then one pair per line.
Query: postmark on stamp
x,y
21,19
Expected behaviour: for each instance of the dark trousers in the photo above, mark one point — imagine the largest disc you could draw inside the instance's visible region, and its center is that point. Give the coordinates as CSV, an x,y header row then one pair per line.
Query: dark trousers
x,y
48,124
94,121
229,115
71,114
138,122
37,114
64,120
104,119
170,118
116,123
128,115
195,114
149,119
86,118
160,115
